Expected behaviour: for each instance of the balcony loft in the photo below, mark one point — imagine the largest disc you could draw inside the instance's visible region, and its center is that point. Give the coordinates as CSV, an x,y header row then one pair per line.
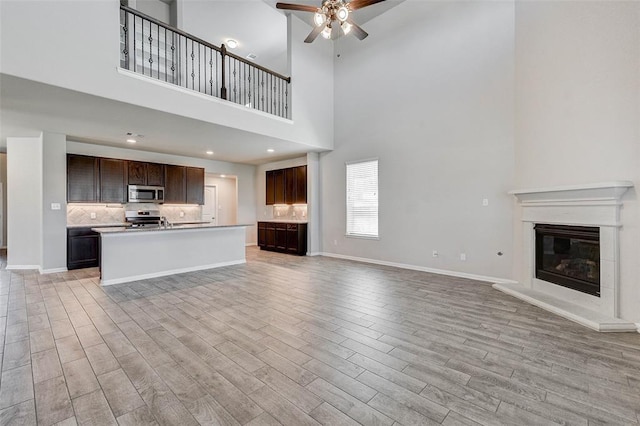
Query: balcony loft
x,y
96,83
154,49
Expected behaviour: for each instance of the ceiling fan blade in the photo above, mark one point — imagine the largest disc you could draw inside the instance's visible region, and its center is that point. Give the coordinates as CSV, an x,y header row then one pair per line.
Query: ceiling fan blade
x,y
359,4
357,30
314,34
301,7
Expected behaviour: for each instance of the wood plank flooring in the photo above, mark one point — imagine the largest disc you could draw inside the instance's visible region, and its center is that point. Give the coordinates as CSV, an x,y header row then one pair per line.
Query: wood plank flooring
x,y
301,341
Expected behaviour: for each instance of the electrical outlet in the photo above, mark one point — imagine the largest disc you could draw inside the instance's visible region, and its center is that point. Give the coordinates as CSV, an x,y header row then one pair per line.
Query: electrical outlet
x,y
434,253
55,206
181,214
485,202
92,215
463,256
335,242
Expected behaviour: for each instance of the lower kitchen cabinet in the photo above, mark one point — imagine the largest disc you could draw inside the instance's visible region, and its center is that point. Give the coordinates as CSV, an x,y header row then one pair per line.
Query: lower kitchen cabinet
x,y
283,237
83,248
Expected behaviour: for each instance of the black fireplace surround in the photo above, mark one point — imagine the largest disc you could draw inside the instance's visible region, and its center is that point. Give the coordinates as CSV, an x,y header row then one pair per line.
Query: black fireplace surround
x,y
569,256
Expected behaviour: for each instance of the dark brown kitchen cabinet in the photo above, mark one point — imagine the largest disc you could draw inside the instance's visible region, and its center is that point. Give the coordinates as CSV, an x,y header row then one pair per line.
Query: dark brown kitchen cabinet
x,y
175,188
195,185
283,237
137,173
155,174
270,188
290,185
82,179
286,186
301,185
83,248
184,185
112,181
278,186
148,174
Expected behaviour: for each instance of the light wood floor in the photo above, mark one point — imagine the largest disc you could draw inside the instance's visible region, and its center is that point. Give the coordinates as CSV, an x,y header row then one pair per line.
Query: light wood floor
x,y
301,341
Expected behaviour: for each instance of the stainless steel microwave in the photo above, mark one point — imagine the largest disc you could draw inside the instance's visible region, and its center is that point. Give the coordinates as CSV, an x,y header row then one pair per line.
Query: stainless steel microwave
x,y
145,194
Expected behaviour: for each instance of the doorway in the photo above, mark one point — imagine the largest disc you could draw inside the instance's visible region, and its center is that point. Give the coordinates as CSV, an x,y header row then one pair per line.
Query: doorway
x,y
210,208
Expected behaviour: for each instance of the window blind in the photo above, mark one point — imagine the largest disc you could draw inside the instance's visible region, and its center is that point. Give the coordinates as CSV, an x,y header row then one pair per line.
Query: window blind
x,y
362,198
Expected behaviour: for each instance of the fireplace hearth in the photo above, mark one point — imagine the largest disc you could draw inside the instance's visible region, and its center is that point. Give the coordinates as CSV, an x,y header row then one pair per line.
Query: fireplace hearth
x,y
569,256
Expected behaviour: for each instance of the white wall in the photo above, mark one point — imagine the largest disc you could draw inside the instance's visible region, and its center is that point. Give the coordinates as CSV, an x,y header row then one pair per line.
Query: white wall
x,y
54,190
24,195
155,8
578,109
245,174
3,181
430,94
89,34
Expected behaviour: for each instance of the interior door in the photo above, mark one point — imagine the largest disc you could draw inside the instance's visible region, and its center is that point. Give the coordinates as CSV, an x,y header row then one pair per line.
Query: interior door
x,y
209,209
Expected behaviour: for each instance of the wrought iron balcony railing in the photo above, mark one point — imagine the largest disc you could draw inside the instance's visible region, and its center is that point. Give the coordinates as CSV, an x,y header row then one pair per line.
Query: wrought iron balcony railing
x,y
159,51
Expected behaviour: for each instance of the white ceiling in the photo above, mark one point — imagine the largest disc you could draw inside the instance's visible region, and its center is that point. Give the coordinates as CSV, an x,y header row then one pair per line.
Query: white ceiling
x,y
27,107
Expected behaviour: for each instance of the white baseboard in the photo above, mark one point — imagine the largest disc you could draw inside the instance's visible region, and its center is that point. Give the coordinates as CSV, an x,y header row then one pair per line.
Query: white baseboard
x,y
638,325
315,253
250,244
170,272
52,271
422,269
22,267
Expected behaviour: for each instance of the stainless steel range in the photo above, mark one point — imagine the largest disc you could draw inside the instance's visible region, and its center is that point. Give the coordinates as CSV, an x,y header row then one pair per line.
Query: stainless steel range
x,y
143,218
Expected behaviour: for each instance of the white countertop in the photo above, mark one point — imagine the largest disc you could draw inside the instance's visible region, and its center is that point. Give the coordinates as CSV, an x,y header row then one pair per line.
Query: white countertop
x,y
175,227
97,225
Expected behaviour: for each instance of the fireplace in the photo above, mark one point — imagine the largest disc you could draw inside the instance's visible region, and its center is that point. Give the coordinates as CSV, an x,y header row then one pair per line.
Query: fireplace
x,y
570,252
568,256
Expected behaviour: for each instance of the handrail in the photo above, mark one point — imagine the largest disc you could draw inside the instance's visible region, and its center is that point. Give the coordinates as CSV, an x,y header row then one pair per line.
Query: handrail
x,y
222,74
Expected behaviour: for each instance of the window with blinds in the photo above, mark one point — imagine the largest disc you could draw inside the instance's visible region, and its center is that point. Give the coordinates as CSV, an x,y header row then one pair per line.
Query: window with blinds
x,y
362,199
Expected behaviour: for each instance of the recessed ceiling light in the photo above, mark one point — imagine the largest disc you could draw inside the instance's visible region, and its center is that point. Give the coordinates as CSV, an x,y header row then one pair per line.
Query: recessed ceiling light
x,y
223,176
131,140
209,152
271,150
231,43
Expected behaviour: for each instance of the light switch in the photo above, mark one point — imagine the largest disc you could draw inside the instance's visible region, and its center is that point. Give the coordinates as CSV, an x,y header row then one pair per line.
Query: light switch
x,y
485,202
93,215
55,206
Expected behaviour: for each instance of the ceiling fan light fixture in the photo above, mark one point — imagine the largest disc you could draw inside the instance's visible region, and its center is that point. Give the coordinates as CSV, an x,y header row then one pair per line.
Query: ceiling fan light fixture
x,y
342,14
326,33
346,28
319,18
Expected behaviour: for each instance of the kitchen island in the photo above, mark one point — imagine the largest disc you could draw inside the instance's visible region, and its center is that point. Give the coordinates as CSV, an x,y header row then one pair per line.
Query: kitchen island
x,y
131,254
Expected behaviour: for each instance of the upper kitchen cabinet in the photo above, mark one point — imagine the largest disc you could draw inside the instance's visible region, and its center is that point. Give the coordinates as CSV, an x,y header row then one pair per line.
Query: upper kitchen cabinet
x,y
175,191
195,185
278,181
286,186
301,185
148,174
184,185
270,188
112,181
82,179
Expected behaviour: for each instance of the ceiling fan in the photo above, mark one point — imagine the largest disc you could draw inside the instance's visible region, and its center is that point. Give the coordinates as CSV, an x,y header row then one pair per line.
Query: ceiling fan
x,y
332,11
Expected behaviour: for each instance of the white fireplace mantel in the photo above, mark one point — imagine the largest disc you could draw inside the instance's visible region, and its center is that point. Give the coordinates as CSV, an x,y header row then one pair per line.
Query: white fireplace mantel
x,y
595,204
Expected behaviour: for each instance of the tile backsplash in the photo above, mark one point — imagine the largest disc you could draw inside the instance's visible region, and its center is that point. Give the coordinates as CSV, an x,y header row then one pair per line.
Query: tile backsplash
x,y
80,214
297,212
